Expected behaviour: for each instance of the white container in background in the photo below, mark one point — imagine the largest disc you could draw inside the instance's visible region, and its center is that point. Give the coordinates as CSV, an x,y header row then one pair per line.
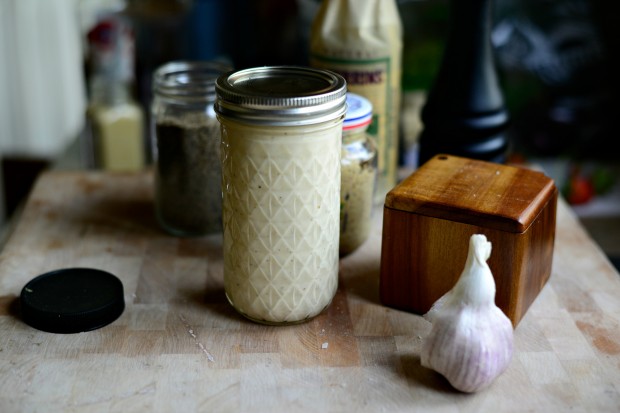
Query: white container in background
x,y
42,85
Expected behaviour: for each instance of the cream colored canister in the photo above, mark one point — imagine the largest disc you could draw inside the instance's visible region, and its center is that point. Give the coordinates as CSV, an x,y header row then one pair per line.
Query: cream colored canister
x,y
281,142
362,41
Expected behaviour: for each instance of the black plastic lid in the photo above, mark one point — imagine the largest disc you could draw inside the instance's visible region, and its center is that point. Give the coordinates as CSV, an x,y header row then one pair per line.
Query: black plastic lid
x,y
72,300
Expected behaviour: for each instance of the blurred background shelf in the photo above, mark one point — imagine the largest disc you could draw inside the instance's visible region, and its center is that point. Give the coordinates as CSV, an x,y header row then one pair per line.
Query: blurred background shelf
x,y
558,63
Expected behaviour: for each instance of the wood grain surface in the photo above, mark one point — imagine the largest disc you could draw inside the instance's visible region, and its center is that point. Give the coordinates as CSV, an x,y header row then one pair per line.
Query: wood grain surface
x,y
179,346
503,197
429,217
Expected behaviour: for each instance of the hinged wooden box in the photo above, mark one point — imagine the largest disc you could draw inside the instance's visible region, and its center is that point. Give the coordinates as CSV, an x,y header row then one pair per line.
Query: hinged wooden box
x,y
429,217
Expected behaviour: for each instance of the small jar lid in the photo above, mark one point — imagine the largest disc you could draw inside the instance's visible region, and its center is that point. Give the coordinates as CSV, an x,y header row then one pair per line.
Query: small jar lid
x,y
281,95
188,80
72,300
359,113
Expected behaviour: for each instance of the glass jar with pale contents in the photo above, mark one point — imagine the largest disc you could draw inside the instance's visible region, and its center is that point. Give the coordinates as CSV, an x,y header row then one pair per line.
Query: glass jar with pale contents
x,y
281,148
359,175
186,148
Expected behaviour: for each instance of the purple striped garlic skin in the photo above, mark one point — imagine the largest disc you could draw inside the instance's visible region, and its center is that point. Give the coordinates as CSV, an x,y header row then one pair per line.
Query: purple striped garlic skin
x,y
471,339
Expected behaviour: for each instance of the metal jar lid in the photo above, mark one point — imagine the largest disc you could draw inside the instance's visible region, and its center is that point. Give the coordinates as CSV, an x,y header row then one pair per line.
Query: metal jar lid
x,y
281,95
72,300
188,80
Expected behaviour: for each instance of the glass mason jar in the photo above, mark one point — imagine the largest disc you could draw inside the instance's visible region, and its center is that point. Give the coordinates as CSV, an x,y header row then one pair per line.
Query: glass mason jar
x,y
358,175
281,143
186,148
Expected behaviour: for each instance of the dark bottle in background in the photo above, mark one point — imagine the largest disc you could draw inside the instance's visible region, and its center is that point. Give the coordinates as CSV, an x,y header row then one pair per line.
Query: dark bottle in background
x,y
464,114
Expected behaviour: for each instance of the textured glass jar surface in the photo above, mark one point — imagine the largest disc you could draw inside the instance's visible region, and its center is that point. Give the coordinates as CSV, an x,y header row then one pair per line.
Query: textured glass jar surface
x,y
186,147
281,199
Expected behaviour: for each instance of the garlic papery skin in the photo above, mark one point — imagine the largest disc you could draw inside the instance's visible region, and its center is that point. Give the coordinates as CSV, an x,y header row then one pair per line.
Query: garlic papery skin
x,y
471,339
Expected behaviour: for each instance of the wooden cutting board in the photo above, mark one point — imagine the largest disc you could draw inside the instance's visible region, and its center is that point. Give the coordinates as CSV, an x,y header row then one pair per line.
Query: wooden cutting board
x,y
179,346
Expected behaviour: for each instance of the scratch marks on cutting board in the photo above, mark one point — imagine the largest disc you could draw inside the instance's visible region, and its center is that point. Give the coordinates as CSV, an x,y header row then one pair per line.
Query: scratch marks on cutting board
x,y
193,335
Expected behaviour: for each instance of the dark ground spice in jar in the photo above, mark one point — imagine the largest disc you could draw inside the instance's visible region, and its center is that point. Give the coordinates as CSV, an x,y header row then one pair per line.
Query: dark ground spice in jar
x,y
188,175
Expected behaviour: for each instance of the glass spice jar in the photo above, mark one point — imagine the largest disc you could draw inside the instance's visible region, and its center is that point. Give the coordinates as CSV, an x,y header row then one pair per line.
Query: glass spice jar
x,y
358,175
281,146
186,147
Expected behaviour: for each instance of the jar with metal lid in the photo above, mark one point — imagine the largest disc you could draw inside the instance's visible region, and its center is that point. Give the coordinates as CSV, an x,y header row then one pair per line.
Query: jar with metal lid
x,y
186,148
281,147
358,175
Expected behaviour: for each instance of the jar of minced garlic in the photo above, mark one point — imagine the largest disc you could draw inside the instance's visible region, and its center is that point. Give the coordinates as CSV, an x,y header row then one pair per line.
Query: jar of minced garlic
x,y
358,174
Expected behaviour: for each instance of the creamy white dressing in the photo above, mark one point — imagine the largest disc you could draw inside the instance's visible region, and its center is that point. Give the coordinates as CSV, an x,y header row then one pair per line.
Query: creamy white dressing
x,y
281,201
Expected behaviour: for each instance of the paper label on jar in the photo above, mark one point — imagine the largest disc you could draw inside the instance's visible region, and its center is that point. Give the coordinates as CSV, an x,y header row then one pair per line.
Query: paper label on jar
x,y
365,47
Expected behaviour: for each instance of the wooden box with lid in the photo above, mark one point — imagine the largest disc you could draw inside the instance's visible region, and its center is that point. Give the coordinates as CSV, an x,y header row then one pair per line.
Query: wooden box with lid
x,y
429,217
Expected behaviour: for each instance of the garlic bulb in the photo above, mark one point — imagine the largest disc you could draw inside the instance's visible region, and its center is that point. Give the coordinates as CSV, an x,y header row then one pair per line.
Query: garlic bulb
x,y
471,340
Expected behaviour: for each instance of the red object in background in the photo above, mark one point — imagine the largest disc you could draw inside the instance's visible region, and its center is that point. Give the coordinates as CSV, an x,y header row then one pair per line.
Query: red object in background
x,y
580,189
102,35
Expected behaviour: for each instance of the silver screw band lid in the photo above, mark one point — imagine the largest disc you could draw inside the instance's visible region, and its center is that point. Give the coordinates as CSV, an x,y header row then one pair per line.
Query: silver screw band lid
x,y
188,80
281,95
